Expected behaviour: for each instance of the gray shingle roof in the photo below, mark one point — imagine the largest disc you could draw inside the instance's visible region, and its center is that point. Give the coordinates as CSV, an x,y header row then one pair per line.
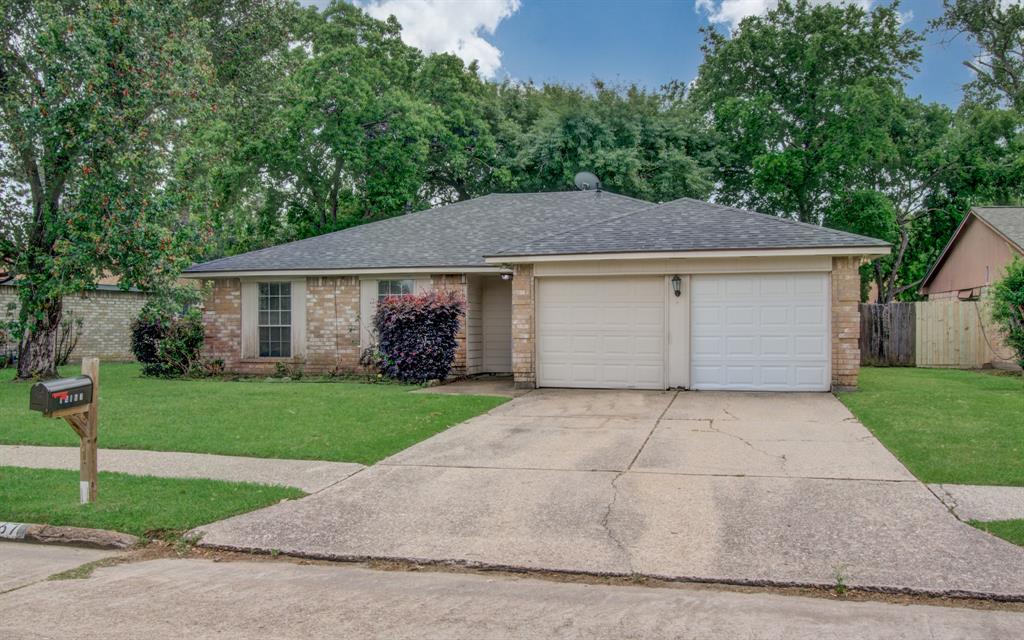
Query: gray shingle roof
x,y
570,222
456,235
1009,221
690,225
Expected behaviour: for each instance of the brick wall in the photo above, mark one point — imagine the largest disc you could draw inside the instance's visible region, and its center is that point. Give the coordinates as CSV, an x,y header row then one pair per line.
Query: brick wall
x,y
106,320
222,320
332,324
845,321
457,283
523,329
332,328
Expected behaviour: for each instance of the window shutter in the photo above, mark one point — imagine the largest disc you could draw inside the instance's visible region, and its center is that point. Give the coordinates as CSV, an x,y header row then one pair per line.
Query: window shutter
x,y
299,318
250,329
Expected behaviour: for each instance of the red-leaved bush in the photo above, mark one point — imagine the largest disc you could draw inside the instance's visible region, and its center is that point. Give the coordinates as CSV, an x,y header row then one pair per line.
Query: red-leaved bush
x,y
416,335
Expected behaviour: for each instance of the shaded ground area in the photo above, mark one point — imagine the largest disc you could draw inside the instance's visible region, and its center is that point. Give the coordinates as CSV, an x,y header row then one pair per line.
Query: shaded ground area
x,y
731,487
283,600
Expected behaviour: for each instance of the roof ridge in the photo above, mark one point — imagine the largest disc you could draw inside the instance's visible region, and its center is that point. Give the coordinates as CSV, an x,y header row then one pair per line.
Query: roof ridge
x,y
586,226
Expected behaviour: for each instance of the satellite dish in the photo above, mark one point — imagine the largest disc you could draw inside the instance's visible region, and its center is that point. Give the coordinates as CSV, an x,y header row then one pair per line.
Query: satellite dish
x,y
585,181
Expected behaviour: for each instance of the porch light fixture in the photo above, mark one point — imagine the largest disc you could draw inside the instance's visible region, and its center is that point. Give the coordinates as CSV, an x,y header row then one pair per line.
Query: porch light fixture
x,y
506,276
677,285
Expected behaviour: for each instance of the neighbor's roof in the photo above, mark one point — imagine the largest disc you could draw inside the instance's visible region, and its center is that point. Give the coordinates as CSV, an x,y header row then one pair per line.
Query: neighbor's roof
x,y
691,225
1006,221
455,235
520,224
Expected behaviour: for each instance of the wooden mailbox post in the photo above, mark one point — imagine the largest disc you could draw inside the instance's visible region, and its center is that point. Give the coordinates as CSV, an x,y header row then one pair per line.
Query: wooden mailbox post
x,y
80,399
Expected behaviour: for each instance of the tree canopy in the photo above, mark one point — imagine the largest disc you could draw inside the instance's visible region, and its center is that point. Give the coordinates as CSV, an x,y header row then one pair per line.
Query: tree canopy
x,y
138,137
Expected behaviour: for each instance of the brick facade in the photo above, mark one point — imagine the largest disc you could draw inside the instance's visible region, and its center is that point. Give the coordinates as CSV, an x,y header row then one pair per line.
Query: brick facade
x,y
332,324
222,321
523,327
332,328
106,320
845,321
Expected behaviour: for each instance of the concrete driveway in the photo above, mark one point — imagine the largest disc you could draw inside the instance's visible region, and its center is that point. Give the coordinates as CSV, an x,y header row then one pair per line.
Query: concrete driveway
x,y
735,487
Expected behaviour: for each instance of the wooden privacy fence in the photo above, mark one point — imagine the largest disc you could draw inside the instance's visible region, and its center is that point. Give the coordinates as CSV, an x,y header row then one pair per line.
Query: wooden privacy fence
x,y
887,334
938,333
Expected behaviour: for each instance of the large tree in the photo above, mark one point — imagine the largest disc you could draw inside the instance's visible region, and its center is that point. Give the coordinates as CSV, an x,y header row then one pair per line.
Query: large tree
x,y
997,28
803,99
644,144
99,99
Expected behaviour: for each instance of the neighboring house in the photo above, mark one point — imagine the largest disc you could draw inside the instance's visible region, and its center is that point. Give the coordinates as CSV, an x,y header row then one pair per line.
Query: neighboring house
x,y
986,241
572,289
106,314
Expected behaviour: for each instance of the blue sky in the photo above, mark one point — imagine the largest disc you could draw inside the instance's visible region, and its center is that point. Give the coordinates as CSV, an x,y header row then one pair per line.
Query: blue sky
x,y
648,42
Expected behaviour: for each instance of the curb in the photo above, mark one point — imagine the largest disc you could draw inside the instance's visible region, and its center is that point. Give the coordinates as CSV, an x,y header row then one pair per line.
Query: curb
x,y
474,565
68,536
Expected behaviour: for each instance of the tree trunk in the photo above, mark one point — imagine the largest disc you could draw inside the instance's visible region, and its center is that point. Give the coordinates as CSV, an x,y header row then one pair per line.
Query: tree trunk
x,y
37,351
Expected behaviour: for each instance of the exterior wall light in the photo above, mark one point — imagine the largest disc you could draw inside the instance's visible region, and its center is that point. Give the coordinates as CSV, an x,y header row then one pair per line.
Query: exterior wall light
x,y
677,285
506,276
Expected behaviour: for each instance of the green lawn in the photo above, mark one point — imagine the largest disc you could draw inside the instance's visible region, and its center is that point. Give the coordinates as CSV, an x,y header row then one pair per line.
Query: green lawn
x,y
340,421
1012,530
140,505
949,426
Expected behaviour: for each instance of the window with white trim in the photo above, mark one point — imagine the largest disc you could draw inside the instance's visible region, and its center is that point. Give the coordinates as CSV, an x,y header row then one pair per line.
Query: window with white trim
x,y
387,288
275,319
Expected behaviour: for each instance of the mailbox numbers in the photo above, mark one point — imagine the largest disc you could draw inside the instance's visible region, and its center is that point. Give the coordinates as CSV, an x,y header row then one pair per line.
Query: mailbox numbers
x,y
63,397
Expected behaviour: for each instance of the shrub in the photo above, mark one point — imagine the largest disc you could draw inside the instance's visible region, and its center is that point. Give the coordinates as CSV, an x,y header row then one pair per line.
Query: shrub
x,y
1008,307
416,335
168,346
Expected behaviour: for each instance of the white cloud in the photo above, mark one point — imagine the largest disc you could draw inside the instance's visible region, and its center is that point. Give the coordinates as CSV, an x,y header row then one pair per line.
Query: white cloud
x,y
732,11
449,25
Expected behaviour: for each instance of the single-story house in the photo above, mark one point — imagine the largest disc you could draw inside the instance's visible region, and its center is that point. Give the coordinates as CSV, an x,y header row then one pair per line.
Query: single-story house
x,y
986,241
572,289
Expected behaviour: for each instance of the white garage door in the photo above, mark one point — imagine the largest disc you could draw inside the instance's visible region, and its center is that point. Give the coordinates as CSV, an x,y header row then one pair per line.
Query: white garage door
x,y
760,332
601,332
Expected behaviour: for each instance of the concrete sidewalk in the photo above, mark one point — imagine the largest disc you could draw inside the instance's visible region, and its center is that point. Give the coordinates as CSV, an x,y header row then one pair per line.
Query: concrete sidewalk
x,y
309,475
243,600
974,502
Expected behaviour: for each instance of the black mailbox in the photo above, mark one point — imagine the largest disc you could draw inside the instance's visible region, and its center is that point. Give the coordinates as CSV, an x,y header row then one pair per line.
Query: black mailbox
x,y
51,396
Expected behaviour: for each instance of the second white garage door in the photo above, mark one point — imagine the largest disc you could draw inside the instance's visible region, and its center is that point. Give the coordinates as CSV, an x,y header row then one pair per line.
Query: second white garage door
x,y
760,332
601,332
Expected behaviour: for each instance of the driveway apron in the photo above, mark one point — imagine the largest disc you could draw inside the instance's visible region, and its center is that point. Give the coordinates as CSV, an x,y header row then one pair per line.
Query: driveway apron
x,y
743,488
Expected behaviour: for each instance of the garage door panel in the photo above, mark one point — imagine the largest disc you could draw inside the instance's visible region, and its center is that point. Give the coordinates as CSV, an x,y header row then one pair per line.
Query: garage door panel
x,y
614,336
760,332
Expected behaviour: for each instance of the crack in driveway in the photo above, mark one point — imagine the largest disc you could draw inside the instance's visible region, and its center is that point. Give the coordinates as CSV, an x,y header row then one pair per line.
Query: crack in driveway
x,y
781,458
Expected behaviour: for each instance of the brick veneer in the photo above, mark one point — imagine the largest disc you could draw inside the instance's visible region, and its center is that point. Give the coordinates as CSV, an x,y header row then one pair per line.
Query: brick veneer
x,y
332,327
845,321
455,282
222,321
106,320
523,328
332,324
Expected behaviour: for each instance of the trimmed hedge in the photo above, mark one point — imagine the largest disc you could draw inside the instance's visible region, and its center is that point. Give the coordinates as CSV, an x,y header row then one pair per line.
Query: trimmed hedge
x,y
416,335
